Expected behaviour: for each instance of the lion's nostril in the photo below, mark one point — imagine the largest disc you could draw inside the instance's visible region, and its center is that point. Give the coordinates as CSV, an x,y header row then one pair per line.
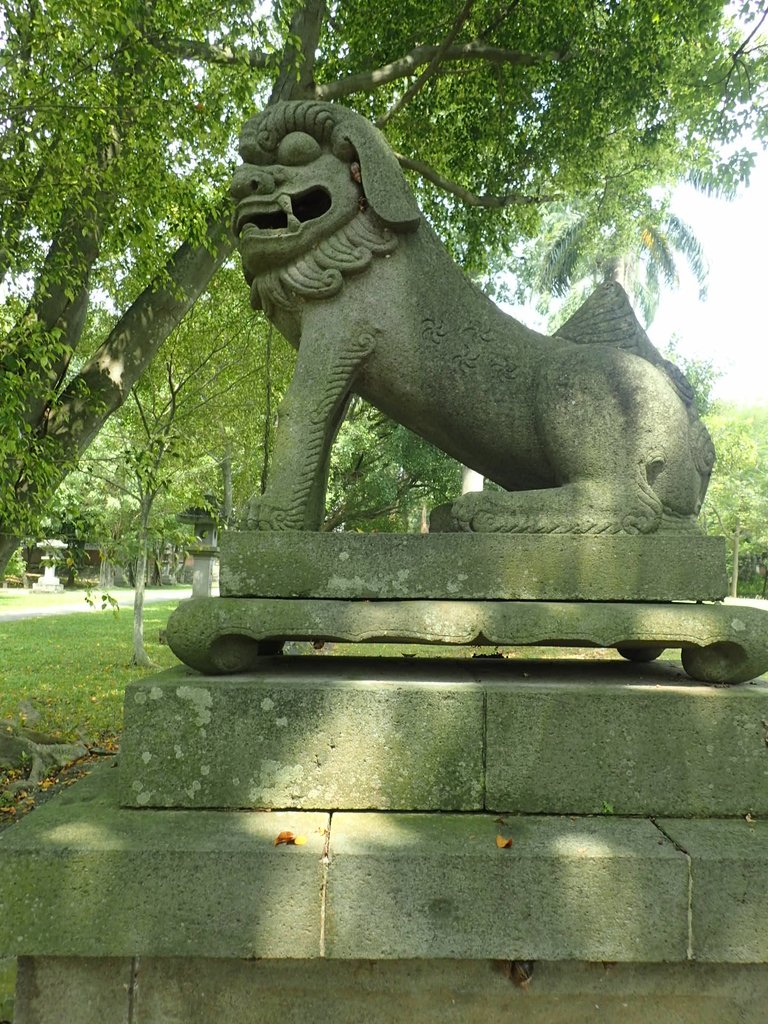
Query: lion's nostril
x,y
261,183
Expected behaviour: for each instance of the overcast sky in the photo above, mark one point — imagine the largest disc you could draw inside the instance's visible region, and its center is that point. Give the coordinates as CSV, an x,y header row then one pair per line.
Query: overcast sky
x,y
731,326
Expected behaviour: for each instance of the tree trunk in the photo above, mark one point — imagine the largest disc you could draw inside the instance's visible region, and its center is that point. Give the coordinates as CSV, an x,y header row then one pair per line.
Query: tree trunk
x,y
104,382
8,545
296,77
106,574
227,510
735,552
118,363
140,656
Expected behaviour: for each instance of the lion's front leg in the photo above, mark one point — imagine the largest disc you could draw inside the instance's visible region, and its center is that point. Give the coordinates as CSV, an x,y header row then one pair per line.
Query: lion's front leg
x,y
309,417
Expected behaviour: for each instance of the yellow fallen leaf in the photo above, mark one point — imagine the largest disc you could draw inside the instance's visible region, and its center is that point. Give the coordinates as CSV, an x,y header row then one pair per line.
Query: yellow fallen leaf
x,y
290,839
504,844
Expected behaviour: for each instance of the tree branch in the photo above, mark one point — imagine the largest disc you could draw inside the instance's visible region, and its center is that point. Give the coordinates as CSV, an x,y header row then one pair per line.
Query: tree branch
x,y
743,48
368,81
470,198
208,53
296,77
431,68
105,381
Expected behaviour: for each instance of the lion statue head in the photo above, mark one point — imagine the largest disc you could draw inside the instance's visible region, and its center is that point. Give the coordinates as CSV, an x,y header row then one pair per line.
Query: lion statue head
x,y
318,195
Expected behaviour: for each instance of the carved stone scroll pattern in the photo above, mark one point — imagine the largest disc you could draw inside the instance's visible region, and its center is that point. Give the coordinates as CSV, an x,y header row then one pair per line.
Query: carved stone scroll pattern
x,y
320,274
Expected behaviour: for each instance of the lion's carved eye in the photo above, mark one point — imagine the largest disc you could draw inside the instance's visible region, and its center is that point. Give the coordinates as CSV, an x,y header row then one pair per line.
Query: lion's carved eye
x,y
298,148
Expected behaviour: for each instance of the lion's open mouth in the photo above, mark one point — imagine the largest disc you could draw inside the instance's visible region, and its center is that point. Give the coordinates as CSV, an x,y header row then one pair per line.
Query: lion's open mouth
x,y
288,212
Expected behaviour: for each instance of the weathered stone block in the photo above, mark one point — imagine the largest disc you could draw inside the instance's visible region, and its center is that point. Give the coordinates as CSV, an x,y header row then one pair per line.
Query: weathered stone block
x,y
440,991
183,990
729,882
305,733
424,886
74,990
498,566
7,987
525,737
635,740
82,876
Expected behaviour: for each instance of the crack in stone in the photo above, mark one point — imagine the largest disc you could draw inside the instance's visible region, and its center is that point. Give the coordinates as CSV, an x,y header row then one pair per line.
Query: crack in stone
x,y
325,860
133,989
688,861
484,757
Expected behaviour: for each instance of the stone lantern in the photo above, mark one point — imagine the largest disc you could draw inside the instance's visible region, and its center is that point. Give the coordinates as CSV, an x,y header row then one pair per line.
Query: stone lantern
x,y
49,582
204,551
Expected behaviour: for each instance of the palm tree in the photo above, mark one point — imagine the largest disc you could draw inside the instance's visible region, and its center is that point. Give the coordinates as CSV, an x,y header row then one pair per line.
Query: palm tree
x,y
573,257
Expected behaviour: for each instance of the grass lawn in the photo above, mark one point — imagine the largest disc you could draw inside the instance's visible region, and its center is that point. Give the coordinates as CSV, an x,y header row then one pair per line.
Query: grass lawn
x,y
74,668
17,599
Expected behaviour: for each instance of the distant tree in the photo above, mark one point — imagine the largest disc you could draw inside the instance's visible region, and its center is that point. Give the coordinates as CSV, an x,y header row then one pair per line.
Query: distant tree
x,y
737,501
702,375
382,475
170,439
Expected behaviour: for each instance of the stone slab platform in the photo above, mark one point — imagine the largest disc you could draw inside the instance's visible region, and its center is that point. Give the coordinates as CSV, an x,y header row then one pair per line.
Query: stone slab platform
x,y
438,734
720,643
149,990
82,877
548,567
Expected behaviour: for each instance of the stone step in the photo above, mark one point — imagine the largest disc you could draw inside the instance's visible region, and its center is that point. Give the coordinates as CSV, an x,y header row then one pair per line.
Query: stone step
x,y
90,879
583,737
195,990
491,566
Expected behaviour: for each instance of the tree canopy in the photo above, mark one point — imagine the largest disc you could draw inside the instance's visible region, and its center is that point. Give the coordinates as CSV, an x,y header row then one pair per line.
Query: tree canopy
x,y
119,122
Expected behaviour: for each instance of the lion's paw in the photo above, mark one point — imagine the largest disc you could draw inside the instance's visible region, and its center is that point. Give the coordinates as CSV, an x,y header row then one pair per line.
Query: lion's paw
x,y
469,507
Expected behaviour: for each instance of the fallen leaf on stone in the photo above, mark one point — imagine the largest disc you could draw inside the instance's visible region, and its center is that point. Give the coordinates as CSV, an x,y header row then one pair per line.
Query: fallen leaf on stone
x,y
290,839
750,819
519,972
500,821
504,844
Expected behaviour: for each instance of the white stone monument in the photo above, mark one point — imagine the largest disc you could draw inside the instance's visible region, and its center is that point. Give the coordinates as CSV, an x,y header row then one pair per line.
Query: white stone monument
x,y
49,582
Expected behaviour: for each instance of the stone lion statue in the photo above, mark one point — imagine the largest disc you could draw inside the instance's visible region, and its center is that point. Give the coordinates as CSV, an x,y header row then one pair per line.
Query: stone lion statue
x,y
589,431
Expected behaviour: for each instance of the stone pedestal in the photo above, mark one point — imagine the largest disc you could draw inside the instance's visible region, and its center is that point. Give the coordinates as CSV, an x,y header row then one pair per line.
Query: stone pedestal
x,y
528,737
204,560
154,890
640,595
49,582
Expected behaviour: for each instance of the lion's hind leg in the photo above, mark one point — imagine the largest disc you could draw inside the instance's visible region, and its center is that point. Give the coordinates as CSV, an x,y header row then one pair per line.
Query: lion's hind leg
x,y
584,507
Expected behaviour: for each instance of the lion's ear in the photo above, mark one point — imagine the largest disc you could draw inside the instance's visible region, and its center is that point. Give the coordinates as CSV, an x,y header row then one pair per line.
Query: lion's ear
x,y
385,187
